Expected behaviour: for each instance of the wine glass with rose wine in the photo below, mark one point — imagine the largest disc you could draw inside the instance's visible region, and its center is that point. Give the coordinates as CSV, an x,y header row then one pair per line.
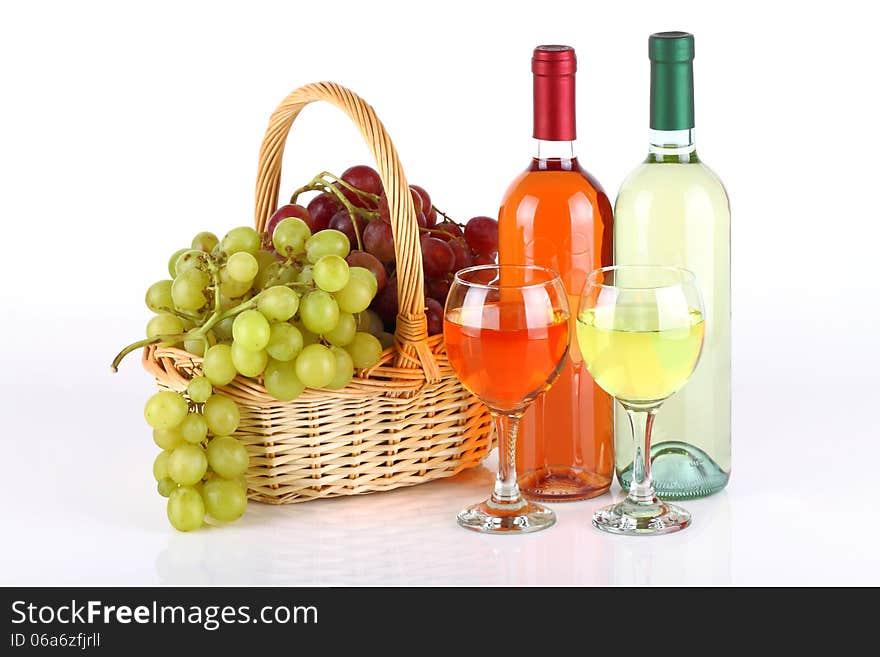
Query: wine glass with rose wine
x,y
506,329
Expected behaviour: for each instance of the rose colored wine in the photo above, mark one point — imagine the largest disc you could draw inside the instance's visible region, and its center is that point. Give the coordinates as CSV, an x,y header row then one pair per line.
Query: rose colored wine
x,y
504,354
556,215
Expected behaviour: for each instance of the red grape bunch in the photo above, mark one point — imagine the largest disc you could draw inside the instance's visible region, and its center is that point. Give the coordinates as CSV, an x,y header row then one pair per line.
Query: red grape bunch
x,y
355,204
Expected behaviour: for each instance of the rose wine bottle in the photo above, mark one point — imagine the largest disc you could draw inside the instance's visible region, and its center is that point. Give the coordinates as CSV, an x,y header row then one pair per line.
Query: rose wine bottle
x,y
556,215
673,210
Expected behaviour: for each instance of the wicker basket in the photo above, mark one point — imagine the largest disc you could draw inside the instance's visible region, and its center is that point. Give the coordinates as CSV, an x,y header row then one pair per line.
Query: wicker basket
x,y
405,421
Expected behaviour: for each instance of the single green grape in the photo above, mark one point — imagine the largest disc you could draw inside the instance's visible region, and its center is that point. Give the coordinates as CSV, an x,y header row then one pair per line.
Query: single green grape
x,y
315,366
227,457
365,350
278,304
187,464
224,499
166,486
222,415
158,297
164,324
369,322
242,238
167,439
285,341
186,509
367,277
278,273
247,362
160,465
306,275
190,259
205,241
187,290
199,389
327,242
251,330
265,259
196,345
290,235
319,312
194,428
165,410
343,333
231,288
218,366
172,262
386,339
344,369
242,267
223,329
331,273
307,336
241,480
355,297
281,381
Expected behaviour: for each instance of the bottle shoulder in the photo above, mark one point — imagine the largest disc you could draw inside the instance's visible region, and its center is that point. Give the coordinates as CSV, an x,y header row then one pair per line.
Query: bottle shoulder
x,y
538,182
666,179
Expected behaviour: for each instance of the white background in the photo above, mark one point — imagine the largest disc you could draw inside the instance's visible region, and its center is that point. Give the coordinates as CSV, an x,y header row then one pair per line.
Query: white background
x,y
124,130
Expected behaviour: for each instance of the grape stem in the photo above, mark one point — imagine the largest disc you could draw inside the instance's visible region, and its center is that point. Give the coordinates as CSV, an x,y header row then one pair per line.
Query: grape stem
x,y
177,337
451,236
320,184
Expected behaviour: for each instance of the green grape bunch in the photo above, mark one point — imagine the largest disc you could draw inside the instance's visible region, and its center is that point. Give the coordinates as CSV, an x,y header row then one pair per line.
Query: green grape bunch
x,y
278,308
201,468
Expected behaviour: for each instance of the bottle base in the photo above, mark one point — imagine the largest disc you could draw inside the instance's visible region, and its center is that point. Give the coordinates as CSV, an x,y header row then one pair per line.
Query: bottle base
x,y
680,471
562,484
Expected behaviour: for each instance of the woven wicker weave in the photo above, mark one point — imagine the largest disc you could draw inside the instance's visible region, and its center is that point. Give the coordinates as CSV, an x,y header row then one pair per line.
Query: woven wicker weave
x,y
405,421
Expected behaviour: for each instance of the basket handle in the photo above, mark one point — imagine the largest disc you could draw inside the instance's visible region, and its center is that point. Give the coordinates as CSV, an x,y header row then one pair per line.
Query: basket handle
x,y
412,328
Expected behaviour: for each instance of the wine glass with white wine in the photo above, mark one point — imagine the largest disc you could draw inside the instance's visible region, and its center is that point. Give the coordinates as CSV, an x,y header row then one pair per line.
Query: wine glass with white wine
x,y
640,330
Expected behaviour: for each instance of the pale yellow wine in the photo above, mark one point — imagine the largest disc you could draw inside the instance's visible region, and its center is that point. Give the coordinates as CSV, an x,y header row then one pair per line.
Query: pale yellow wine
x,y
636,356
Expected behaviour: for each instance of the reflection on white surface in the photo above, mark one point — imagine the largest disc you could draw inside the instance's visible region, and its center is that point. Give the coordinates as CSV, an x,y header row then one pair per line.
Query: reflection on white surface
x,y
410,537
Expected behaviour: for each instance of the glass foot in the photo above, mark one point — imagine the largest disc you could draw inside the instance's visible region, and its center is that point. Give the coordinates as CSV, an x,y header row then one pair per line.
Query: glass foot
x,y
633,519
515,518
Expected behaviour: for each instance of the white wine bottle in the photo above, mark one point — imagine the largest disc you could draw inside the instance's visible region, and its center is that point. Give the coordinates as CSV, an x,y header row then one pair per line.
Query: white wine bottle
x,y
673,210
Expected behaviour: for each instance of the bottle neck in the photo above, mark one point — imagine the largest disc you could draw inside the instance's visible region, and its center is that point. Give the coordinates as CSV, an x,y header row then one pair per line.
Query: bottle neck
x,y
672,112
672,146
554,155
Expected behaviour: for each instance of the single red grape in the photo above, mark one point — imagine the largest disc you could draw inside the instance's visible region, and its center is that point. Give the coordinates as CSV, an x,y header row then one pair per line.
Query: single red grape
x,y
363,177
423,197
420,220
285,211
341,221
481,234
438,288
386,305
450,227
463,256
437,257
431,217
379,240
385,213
434,314
368,261
484,259
322,208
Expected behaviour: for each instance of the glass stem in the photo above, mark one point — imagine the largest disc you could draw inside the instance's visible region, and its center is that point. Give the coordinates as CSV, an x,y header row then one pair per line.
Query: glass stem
x,y
506,492
641,490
